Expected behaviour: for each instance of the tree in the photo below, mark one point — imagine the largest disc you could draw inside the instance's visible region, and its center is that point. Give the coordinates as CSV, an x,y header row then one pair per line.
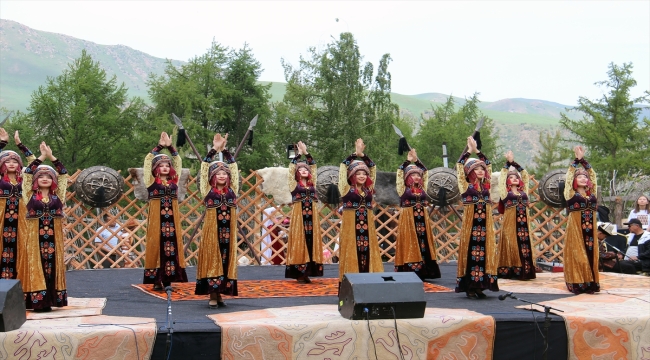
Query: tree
x,y
452,126
610,127
86,118
332,99
217,92
553,154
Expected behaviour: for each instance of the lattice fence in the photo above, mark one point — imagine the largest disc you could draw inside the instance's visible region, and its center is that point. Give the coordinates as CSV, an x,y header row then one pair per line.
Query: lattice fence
x,y
262,232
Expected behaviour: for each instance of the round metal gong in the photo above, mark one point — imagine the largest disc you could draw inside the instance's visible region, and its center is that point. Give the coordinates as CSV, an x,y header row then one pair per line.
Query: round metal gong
x,y
549,188
442,177
99,186
326,176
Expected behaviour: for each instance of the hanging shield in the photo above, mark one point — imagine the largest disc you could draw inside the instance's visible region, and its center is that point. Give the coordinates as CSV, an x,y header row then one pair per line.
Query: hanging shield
x,y
99,186
442,177
551,189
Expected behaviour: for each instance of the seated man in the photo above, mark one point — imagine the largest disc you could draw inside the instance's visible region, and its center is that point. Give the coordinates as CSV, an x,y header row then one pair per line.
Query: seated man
x,y
110,236
611,256
635,238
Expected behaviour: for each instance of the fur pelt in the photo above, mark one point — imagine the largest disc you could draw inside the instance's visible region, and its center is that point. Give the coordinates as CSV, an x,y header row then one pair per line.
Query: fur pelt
x,y
275,184
385,188
494,187
141,192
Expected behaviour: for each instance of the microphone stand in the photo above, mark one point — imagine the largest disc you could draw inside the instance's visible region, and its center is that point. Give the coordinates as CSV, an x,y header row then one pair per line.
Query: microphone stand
x,y
170,329
547,319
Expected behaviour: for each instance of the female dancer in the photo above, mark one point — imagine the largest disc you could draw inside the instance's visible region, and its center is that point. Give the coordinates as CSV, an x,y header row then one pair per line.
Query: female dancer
x,y
164,260
216,272
305,247
581,244
12,210
640,211
477,262
359,250
516,257
416,247
44,191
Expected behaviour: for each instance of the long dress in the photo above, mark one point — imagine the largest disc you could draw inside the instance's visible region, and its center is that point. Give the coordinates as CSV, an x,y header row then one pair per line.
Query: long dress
x,y
358,246
415,246
43,280
13,222
581,244
477,261
164,260
516,253
216,271
304,247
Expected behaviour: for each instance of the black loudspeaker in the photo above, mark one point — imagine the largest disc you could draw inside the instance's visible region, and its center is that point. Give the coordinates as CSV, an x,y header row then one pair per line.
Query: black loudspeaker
x,y
377,295
12,305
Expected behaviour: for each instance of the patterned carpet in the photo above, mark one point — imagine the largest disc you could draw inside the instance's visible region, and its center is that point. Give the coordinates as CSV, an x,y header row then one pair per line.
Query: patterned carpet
x,y
605,326
553,283
254,289
319,332
76,307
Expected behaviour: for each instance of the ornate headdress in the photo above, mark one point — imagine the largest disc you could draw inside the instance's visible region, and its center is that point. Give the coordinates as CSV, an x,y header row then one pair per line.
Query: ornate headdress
x,y
582,171
355,166
217,166
472,164
45,170
412,169
160,159
7,155
516,173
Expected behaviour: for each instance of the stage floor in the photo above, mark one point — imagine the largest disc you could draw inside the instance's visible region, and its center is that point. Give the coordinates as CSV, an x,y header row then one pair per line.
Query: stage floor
x,y
196,337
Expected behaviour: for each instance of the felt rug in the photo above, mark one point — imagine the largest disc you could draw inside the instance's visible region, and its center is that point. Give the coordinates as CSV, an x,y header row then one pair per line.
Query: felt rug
x,y
553,283
253,289
91,337
319,332
604,326
76,307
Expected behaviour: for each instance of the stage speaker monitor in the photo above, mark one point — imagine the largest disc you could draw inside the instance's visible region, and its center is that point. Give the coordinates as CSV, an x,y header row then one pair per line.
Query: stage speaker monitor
x,y
373,295
12,305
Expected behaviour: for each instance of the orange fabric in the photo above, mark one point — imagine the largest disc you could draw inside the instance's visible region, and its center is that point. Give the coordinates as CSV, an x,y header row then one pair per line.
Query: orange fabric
x,y
407,248
152,251
297,246
576,263
508,247
348,262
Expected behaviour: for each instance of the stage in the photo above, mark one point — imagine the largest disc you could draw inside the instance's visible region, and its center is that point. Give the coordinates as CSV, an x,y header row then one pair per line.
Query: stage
x,y
195,336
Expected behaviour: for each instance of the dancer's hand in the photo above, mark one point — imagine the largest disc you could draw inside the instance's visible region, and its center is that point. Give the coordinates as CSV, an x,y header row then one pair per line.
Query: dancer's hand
x,y
302,148
3,135
17,138
412,156
510,156
165,140
359,147
471,145
579,152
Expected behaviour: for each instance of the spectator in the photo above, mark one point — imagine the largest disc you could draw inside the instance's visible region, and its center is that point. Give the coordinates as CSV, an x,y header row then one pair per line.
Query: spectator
x,y
635,238
640,211
644,255
109,236
611,259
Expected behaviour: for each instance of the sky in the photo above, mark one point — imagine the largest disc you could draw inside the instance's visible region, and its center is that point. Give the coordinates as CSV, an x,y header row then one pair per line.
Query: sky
x,y
549,50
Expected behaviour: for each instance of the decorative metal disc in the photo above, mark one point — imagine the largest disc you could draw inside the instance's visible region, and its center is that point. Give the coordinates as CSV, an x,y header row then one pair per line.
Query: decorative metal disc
x,y
325,176
549,187
99,186
442,177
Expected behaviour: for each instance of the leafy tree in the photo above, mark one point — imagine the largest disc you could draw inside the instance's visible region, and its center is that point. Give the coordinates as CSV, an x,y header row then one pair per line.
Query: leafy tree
x,y
332,99
553,154
452,124
86,118
610,128
217,92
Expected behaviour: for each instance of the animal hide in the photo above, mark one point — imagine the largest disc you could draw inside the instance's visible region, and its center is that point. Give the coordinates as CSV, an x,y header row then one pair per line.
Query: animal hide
x,y
494,187
385,188
141,192
275,184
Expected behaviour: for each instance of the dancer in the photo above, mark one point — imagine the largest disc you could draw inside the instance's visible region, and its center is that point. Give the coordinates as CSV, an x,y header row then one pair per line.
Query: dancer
x,y
477,261
216,272
516,255
581,244
359,250
415,246
12,209
305,247
164,260
43,277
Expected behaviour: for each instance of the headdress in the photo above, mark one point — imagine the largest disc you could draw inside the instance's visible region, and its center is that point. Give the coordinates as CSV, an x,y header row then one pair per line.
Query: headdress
x,y
514,172
606,228
303,165
162,159
470,175
214,168
354,167
410,170
7,155
581,171
45,170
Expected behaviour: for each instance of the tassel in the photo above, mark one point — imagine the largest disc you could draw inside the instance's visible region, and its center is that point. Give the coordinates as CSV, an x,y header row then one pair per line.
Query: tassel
x,y
403,146
333,194
250,139
180,139
477,137
442,197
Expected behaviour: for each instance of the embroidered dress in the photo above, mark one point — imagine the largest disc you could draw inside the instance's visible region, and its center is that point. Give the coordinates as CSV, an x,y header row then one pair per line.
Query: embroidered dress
x,y
305,247
217,267
12,216
164,257
44,282
415,247
477,265
516,257
581,245
359,247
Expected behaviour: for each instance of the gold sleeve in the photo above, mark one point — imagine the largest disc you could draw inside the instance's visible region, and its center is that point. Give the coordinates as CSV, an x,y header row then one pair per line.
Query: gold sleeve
x,y
503,188
314,174
291,176
373,176
526,179
594,181
568,183
425,180
30,158
344,187
177,163
28,180
147,177
204,179
234,177
62,188
399,182
462,183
